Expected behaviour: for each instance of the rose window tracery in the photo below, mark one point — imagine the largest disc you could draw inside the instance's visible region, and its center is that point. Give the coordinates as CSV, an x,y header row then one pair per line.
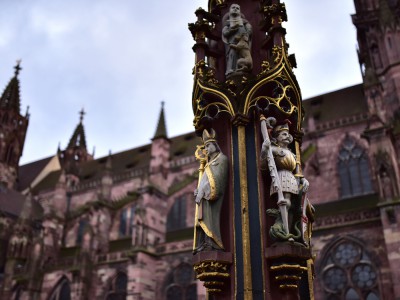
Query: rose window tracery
x,y
348,273
346,254
364,276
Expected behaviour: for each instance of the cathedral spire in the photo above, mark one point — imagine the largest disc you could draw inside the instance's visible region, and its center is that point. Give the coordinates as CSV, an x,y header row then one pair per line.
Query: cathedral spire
x,y
10,99
161,131
13,127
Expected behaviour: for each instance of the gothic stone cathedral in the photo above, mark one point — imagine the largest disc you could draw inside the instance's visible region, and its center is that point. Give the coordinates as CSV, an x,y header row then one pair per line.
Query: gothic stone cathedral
x,y
121,226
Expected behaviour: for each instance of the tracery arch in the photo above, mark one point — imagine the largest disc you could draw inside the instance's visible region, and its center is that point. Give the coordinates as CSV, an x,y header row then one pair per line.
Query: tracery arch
x,y
353,169
181,284
62,290
117,287
126,221
176,218
347,271
17,291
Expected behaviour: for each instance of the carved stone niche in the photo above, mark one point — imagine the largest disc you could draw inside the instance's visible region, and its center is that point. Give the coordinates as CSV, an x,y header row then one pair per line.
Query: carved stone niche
x,y
213,269
289,264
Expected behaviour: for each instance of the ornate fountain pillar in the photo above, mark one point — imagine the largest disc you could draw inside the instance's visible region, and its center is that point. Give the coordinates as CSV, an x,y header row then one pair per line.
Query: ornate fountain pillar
x,y
246,94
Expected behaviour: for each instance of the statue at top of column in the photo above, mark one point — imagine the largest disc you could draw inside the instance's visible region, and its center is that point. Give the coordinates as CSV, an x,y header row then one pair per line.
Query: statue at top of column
x,y
236,34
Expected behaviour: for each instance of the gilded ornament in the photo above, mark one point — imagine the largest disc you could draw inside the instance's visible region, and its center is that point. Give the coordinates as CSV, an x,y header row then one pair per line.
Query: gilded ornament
x,y
277,54
200,35
213,274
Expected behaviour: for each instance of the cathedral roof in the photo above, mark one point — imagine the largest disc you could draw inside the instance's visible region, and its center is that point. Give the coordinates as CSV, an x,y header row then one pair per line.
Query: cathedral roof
x,y
336,105
132,160
28,172
12,203
10,99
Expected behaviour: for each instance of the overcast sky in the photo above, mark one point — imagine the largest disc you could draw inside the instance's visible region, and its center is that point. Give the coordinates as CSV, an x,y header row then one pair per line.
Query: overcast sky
x,y
119,59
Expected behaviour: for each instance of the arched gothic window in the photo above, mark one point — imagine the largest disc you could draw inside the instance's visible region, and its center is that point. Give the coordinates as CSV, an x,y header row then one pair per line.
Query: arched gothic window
x,y
177,214
81,228
353,169
10,154
126,219
181,284
62,291
117,288
17,290
348,273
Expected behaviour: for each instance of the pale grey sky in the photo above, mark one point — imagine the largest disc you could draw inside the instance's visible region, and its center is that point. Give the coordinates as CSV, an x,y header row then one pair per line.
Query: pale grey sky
x,y
120,59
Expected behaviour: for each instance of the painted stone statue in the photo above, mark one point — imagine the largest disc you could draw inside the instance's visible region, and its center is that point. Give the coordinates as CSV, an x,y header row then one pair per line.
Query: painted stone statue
x,y
289,190
236,34
209,196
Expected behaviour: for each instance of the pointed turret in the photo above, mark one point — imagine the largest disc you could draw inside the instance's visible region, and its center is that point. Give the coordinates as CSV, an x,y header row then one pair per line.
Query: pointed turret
x,y
159,163
161,131
76,151
78,138
13,127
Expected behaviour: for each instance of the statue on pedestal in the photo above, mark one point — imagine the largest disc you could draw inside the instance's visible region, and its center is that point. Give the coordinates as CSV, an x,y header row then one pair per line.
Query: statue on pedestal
x,y
213,175
281,163
236,35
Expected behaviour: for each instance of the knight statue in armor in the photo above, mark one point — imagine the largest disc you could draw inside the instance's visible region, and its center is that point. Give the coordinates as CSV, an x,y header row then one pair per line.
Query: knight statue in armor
x,y
290,191
209,196
236,34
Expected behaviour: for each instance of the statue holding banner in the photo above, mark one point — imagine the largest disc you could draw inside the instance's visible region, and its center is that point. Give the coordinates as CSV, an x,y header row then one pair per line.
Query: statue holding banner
x,y
289,190
213,174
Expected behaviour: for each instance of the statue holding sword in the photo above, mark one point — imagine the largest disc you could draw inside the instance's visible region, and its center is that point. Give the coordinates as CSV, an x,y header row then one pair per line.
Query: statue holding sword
x,y
281,163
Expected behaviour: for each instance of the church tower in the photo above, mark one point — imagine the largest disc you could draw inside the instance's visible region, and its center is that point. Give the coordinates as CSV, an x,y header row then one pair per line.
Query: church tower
x,y
378,34
13,127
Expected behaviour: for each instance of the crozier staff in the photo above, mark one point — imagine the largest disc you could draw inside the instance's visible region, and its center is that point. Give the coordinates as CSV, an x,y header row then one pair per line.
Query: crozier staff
x,y
209,195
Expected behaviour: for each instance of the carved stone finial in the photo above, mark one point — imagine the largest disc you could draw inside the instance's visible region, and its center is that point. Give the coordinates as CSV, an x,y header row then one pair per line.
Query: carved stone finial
x,y
17,67
82,113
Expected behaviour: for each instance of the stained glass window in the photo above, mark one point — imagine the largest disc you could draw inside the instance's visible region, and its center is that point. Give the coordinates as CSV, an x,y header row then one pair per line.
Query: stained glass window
x,y
181,284
81,227
17,292
122,223
62,291
126,219
348,273
177,215
353,170
118,287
